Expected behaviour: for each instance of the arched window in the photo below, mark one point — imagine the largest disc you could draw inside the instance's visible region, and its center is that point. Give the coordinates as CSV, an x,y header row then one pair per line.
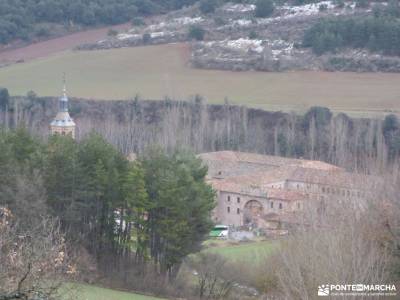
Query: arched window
x,y
238,199
228,209
238,211
280,205
272,204
229,198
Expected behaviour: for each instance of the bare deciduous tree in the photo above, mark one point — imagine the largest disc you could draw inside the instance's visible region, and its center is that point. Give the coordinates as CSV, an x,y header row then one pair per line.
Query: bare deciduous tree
x,y
215,277
344,244
33,262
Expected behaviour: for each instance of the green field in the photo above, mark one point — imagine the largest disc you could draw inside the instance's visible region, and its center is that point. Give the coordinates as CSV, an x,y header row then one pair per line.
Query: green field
x,y
249,252
154,72
89,292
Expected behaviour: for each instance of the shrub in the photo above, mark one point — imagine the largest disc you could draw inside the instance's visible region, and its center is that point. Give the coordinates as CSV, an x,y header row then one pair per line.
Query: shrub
x,y
362,3
112,32
323,7
4,98
339,3
264,8
196,33
208,6
138,21
215,278
146,38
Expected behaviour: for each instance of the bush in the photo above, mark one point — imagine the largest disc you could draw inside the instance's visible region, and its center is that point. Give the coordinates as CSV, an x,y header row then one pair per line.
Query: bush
x,y
196,33
208,6
264,8
42,31
215,278
146,38
31,95
390,123
4,98
362,3
138,21
253,35
323,7
339,3
112,32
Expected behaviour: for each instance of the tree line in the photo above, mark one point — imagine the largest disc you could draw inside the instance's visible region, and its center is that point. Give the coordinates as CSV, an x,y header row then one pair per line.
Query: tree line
x,y
149,213
131,126
24,19
378,33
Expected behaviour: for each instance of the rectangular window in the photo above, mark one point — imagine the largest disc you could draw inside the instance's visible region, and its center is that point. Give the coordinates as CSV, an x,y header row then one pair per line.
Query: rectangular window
x,y
229,198
238,211
280,205
229,209
272,204
238,199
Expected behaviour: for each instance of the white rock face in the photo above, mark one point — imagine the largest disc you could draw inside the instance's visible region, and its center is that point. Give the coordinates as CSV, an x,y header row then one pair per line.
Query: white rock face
x,y
246,45
241,44
239,8
242,22
187,20
277,48
306,9
158,34
127,36
175,23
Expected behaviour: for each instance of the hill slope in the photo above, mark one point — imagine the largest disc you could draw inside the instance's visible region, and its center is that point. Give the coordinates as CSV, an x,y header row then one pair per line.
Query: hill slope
x,y
154,72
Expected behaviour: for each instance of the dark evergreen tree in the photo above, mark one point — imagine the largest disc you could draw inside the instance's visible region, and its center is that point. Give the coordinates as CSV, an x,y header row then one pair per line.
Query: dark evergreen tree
x,y
264,8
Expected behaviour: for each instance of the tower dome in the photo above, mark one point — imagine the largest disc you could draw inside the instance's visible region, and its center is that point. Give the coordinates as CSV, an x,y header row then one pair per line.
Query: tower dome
x,y
63,124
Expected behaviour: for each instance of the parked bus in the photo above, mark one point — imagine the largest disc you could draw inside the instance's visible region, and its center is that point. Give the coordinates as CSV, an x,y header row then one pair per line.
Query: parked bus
x,y
220,231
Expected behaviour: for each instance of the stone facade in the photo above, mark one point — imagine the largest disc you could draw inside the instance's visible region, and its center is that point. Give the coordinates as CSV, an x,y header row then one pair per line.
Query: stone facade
x,y
262,191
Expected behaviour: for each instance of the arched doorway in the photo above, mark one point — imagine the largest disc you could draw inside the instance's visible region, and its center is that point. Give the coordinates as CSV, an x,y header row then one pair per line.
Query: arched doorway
x,y
253,210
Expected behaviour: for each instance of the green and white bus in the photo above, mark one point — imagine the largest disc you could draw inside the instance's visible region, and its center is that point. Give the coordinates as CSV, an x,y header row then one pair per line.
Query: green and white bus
x,y
220,231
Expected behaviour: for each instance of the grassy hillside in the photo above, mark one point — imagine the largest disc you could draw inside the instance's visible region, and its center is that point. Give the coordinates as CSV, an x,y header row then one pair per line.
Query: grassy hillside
x,y
158,71
251,253
89,292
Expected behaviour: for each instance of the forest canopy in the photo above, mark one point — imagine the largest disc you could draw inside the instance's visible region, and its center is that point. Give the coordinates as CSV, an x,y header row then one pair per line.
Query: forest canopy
x,y
378,33
152,211
24,19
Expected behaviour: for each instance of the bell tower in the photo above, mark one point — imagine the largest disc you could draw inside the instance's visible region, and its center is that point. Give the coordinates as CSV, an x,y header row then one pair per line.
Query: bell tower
x,y
63,124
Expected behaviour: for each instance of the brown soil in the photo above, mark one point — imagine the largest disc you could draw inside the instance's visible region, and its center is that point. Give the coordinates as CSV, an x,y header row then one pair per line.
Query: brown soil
x,y
45,48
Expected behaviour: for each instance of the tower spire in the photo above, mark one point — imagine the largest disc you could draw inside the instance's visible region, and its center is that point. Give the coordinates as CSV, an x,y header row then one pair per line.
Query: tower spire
x,y
63,123
64,85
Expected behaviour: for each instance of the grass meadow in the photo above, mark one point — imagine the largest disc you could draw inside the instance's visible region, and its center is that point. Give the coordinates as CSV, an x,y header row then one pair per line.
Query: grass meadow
x,y
154,72
247,252
90,292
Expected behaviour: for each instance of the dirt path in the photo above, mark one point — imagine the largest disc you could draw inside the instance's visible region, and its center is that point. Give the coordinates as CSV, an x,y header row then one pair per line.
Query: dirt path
x,y
45,48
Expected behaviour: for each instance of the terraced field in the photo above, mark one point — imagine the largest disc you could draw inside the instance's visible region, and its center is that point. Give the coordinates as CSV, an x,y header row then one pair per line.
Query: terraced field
x,y
154,72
